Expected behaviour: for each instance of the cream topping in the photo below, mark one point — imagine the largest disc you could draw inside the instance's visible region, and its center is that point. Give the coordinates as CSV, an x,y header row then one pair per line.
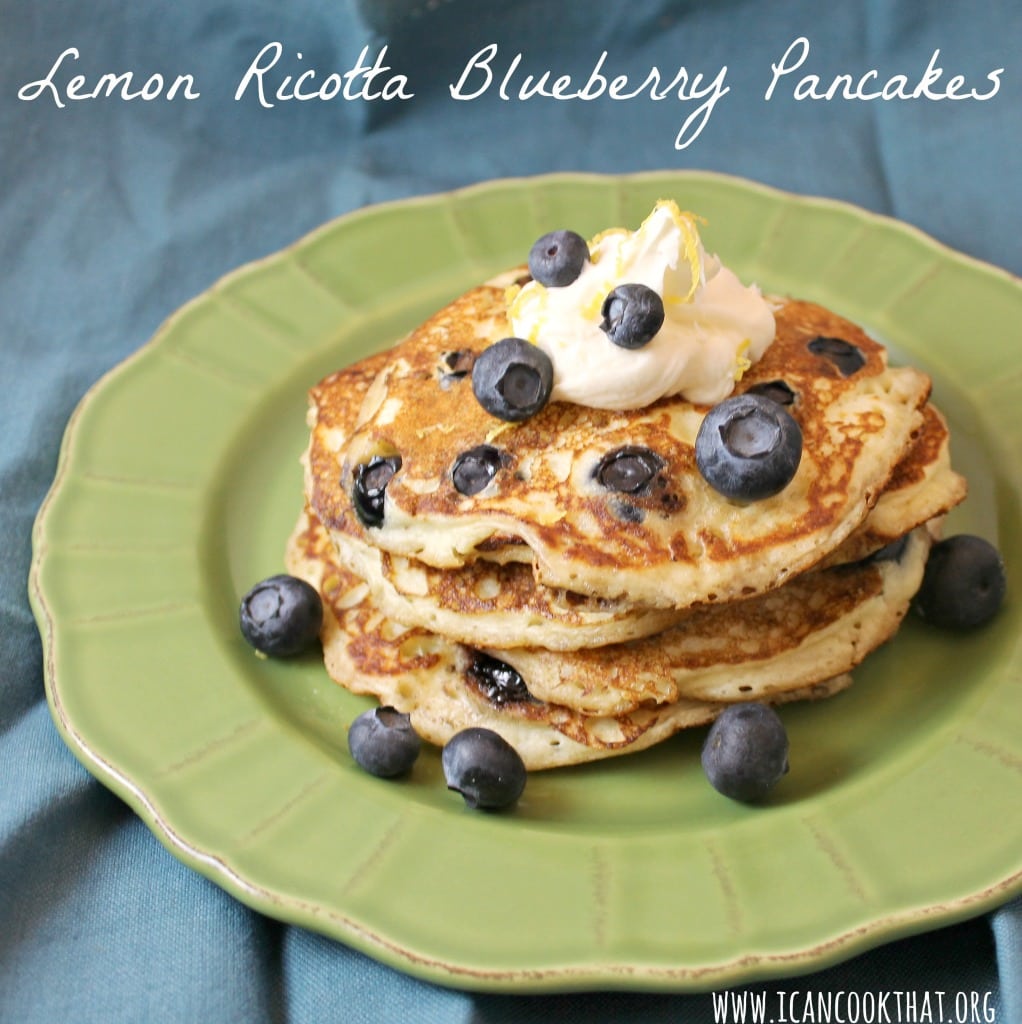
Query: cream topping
x,y
714,327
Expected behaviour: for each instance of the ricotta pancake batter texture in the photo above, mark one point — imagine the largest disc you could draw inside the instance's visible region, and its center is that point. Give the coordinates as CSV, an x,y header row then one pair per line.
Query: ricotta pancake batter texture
x,y
575,578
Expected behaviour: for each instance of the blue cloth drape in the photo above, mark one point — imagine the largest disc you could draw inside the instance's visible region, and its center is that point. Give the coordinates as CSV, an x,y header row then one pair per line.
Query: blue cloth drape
x,y
114,212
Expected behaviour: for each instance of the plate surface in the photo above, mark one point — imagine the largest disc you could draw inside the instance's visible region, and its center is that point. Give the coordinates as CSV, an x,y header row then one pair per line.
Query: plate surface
x,y
179,481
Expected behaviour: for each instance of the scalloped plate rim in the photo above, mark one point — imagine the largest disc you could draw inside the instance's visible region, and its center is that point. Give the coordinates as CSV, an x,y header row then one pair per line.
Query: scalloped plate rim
x,y
742,968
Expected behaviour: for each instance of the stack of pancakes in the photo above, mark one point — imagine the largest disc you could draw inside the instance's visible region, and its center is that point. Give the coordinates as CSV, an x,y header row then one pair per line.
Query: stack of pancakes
x,y
594,594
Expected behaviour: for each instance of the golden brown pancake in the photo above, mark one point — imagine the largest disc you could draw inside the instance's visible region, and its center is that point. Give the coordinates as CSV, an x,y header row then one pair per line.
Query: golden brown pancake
x,y
676,545
818,625
501,606
922,488
484,600
431,678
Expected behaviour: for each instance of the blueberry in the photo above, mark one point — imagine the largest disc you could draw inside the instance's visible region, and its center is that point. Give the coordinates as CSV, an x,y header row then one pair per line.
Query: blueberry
x,y
383,742
371,479
632,315
776,390
746,751
512,379
557,258
627,512
843,354
890,552
455,366
964,583
484,768
748,447
281,616
631,469
498,682
474,469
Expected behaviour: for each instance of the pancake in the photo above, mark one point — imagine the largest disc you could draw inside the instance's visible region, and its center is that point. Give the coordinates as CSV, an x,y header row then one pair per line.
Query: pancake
x,y
922,489
819,625
501,606
677,544
482,602
430,678
486,603
492,605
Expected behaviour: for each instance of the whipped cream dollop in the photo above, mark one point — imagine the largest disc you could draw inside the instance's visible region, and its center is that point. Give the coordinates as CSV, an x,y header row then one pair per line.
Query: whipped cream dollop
x,y
714,329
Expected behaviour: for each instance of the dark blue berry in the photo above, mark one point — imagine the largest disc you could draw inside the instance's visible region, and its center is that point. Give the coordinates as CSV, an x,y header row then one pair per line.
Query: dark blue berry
x,y
632,315
746,751
281,616
890,552
629,470
455,366
370,489
383,742
776,390
484,768
843,354
964,583
627,512
557,258
474,469
498,682
748,447
512,379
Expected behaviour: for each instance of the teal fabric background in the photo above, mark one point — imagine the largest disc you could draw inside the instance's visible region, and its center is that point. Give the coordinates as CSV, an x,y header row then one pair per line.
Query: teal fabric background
x,y
114,213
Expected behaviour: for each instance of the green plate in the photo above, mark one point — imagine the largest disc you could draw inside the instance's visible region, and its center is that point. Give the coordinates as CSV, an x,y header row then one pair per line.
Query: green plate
x,y
179,481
